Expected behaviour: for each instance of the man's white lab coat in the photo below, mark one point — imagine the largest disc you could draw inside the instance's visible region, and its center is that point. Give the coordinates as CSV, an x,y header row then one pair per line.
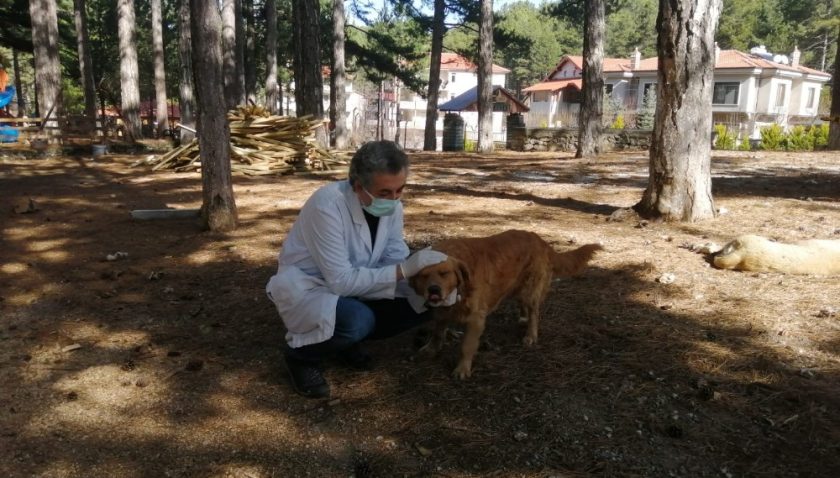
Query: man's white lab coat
x,y
328,255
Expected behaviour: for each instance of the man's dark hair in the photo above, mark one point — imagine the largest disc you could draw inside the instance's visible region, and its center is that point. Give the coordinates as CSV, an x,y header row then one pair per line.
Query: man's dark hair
x,y
376,157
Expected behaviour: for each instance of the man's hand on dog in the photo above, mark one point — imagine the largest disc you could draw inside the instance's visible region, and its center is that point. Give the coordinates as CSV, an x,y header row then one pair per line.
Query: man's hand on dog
x,y
420,260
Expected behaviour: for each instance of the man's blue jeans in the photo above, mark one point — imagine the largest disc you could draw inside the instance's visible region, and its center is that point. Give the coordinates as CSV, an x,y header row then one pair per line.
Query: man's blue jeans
x,y
357,320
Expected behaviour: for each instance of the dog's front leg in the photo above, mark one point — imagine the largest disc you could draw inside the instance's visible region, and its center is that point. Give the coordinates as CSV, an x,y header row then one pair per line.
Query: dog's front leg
x,y
436,341
469,346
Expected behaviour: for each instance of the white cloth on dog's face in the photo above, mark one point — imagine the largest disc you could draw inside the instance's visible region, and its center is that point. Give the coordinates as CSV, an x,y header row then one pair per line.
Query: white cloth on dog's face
x,y
451,298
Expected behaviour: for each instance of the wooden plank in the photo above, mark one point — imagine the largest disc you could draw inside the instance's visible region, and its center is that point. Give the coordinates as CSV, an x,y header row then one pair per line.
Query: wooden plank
x,y
20,120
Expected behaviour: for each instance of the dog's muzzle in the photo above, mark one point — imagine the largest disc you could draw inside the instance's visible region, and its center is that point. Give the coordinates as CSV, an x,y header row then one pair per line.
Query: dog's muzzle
x,y
434,293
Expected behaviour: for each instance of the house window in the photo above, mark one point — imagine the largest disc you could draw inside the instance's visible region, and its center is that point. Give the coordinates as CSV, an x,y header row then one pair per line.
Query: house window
x,y
452,78
812,94
726,93
646,89
608,89
541,96
780,96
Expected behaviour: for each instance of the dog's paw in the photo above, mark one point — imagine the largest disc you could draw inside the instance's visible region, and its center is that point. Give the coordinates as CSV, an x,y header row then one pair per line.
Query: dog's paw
x,y
462,371
529,341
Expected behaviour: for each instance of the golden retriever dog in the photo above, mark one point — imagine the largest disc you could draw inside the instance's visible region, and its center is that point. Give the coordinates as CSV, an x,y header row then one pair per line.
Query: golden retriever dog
x,y
481,272
759,254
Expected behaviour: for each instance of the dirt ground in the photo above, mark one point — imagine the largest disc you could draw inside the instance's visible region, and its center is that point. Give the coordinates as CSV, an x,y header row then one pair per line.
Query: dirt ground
x,y
167,362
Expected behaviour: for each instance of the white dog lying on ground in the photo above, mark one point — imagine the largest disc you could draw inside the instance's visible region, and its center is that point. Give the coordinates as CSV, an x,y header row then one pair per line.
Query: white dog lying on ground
x,y
759,254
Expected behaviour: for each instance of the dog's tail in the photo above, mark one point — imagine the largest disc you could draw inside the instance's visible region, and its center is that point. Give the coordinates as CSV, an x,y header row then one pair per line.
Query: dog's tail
x,y
572,262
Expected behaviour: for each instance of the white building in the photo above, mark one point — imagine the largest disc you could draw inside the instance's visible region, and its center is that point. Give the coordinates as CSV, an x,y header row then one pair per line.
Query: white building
x,y
457,76
751,90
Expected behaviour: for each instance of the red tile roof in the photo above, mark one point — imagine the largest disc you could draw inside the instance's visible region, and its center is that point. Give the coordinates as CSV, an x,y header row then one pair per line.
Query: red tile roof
x,y
727,59
456,62
554,85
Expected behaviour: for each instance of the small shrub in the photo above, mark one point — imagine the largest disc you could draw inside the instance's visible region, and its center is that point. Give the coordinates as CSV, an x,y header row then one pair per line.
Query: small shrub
x,y
725,139
819,135
799,140
470,145
745,144
618,123
772,138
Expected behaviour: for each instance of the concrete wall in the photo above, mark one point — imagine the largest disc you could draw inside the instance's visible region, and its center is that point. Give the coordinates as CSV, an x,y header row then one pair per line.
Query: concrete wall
x,y
565,139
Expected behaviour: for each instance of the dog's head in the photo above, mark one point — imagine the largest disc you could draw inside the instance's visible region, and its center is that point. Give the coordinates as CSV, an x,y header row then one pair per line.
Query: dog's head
x,y
436,283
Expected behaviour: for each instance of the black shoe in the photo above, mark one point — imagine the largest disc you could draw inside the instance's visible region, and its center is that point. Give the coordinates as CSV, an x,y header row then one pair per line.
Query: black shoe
x,y
355,358
307,379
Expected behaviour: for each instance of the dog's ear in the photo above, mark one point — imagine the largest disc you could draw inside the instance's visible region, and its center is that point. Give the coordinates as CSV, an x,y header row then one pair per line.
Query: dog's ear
x,y
462,272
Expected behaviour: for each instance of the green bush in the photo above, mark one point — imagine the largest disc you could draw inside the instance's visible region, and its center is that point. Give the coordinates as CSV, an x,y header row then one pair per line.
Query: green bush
x,y
470,145
799,140
618,123
819,135
725,139
772,138
745,144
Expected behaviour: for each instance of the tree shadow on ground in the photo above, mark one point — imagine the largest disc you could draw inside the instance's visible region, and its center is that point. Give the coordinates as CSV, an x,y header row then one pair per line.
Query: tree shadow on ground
x,y
179,370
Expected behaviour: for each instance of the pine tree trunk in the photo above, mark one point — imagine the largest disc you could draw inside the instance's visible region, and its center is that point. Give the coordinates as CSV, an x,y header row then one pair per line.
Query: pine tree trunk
x,y
239,24
129,76
85,64
680,182
339,106
438,29
233,87
591,110
218,208
272,89
309,84
485,77
45,56
834,125
161,106
186,83
21,96
249,57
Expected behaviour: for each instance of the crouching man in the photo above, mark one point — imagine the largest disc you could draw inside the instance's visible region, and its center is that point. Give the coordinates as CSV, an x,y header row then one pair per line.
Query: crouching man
x,y
342,269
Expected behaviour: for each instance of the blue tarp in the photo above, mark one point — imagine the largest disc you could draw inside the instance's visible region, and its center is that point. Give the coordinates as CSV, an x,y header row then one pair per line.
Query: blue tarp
x,y
6,96
8,134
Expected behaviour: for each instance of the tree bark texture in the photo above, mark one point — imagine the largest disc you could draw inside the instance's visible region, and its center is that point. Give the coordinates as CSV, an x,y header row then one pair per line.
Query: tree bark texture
x,y
680,184
339,106
249,60
438,29
591,109
161,106
129,76
485,77
240,52
186,84
218,208
834,125
21,96
45,57
233,87
85,64
272,89
309,84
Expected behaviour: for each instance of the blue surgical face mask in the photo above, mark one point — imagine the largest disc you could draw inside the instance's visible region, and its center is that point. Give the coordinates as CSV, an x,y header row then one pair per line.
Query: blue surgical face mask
x,y
380,206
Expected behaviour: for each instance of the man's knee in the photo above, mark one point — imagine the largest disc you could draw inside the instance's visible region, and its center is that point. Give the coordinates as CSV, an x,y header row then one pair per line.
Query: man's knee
x,y
354,320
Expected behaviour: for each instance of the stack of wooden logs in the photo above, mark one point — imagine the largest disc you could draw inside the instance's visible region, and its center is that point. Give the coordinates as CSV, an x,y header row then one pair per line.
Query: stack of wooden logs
x,y
260,144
